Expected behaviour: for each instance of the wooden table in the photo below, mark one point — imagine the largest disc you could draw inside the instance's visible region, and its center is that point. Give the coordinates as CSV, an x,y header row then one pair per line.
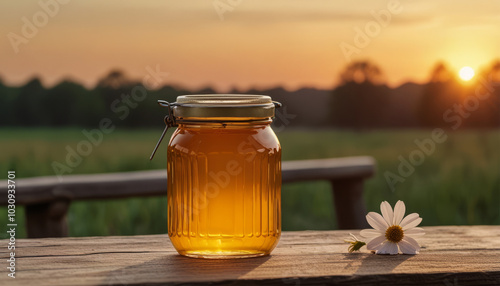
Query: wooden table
x,y
451,255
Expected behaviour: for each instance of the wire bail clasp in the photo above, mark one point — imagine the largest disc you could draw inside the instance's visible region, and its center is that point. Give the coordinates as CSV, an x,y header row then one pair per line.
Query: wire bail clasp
x,y
169,122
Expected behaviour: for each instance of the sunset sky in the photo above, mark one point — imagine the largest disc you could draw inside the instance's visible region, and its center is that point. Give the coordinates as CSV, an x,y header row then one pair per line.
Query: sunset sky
x,y
254,44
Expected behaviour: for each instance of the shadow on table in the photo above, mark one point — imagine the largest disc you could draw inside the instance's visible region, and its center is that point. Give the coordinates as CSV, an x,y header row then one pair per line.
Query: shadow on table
x,y
373,264
177,268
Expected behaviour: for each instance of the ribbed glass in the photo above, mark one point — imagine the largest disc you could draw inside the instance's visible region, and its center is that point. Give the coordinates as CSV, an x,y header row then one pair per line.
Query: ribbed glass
x,y
224,189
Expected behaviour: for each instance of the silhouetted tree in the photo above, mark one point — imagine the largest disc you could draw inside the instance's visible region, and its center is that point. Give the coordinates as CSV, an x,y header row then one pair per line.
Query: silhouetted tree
x,y
361,101
113,89
115,79
59,102
361,72
440,73
112,86
7,98
28,104
441,94
487,92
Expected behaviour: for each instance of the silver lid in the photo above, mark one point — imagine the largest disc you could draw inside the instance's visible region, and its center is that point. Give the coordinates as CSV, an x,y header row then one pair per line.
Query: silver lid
x,y
216,108
223,105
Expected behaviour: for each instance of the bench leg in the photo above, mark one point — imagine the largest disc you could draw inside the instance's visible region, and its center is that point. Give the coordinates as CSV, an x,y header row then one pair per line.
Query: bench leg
x,y
47,220
349,203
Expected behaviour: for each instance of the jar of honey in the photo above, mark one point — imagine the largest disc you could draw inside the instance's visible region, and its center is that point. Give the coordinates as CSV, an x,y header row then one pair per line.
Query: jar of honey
x,y
224,176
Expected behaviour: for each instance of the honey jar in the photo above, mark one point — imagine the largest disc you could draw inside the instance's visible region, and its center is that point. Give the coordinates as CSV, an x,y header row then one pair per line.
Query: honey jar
x,y
224,176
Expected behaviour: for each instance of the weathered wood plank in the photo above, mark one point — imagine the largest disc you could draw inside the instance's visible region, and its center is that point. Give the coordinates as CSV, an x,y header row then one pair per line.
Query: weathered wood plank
x,y
361,167
467,255
39,190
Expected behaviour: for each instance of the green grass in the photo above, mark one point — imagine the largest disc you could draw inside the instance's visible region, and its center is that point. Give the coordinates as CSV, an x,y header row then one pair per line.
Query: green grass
x,y
458,184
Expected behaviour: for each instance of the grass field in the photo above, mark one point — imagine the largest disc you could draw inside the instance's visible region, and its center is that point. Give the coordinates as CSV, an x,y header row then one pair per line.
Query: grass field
x,y
457,184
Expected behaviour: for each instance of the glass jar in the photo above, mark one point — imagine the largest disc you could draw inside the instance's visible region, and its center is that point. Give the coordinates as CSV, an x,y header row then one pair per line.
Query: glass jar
x,y
224,176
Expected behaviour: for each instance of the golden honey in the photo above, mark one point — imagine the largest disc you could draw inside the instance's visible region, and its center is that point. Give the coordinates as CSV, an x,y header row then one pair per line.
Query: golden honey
x,y
224,182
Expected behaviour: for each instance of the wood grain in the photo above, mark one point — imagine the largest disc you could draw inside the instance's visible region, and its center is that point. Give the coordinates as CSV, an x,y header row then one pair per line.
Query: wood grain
x,y
451,255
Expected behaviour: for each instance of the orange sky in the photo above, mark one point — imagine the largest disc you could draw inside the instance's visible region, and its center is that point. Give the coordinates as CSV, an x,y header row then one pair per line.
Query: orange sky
x,y
257,43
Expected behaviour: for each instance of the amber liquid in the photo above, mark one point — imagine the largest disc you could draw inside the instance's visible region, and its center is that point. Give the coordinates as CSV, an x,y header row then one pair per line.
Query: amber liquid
x,y
224,190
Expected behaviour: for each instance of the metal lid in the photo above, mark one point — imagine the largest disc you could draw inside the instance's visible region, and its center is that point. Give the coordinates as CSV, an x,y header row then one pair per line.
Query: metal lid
x,y
223,105
216,108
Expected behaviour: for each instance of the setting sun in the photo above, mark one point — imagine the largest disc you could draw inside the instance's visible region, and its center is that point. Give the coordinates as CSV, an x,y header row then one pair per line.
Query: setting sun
x,y
466,73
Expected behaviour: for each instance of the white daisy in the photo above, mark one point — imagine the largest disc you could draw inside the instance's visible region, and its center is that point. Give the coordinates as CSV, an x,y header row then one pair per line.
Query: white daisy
x,y
391,231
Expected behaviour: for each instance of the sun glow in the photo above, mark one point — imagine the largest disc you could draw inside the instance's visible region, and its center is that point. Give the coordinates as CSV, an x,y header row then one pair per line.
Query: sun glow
x,y
466,73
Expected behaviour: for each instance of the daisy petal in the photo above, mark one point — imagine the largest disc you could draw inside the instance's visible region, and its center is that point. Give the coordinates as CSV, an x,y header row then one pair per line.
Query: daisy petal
x,y
393,248
399,212
370,232
353,236
407,248
409,218
411,241
382,248
416,231
412,224
370,245
387,212
376,221
388,248
377,247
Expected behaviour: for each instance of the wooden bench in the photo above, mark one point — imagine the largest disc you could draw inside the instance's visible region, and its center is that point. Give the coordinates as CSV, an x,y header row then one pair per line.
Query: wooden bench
x,y
450,256
47,200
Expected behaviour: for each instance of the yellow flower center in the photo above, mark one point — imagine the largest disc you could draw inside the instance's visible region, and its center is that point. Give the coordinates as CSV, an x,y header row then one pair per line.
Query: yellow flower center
x,y
394,234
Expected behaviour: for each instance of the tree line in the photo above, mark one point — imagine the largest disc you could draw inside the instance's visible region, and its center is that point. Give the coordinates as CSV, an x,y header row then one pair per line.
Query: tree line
x,y
362,100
